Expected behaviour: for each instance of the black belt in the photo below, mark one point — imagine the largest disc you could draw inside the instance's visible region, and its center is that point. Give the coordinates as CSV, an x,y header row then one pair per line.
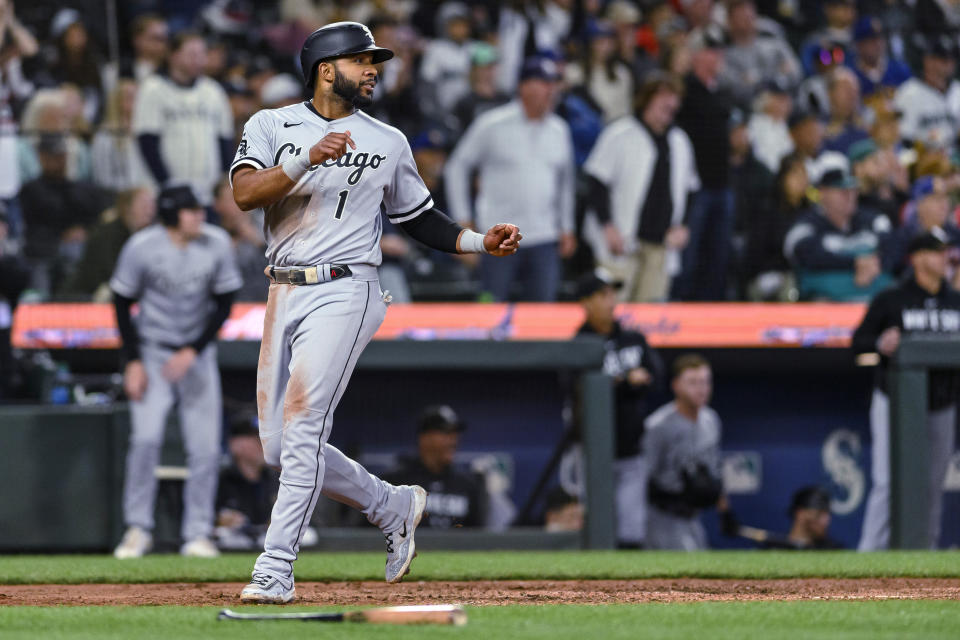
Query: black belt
x,y
309,275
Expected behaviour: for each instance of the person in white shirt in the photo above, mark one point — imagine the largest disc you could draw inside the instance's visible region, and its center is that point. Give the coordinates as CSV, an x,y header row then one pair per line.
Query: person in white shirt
x,y
523,153
183,122
445,67
768,131
117,163
930,104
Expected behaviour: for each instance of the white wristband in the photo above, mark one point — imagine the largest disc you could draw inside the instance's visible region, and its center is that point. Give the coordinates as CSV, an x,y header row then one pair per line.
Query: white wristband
x,y
472,242
296,166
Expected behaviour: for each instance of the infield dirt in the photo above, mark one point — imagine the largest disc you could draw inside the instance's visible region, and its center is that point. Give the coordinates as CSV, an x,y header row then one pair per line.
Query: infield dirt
x,y
493,592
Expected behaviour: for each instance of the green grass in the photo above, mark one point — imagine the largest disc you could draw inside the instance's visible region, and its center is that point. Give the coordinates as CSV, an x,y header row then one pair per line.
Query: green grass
x,y
490,566
929,620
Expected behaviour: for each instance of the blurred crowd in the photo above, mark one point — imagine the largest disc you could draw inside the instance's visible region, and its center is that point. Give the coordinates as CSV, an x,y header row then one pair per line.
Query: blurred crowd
x,y
697,149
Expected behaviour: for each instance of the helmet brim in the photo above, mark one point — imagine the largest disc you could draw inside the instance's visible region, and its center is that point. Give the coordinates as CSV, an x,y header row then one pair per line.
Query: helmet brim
x,y
380,54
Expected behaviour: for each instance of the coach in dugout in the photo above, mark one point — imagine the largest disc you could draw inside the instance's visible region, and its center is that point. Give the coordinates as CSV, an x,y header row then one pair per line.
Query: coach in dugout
x,y
455,498
923,303
682,447
636,369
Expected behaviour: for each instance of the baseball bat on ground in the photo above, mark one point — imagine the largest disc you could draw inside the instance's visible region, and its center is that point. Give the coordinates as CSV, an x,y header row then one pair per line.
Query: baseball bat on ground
x,y
429,614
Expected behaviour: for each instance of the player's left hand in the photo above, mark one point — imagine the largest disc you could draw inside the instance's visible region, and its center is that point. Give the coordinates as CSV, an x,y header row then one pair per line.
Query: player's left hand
x,y
179,363
502,240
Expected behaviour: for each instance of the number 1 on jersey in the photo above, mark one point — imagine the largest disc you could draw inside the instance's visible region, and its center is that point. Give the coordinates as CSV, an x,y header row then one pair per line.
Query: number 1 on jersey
x,y
341,203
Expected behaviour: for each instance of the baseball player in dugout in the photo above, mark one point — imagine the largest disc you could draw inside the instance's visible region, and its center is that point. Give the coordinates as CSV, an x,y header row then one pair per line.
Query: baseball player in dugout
x,y
922,303
322,171
184,277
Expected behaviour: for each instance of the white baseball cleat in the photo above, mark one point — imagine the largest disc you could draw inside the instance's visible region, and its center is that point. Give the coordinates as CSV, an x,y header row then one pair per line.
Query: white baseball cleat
x,y
401,549
135,543
199,548
265,589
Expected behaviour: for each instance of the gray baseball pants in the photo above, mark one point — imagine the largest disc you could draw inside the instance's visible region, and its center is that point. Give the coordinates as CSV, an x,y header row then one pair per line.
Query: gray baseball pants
x,y
312,338
198,399
941,436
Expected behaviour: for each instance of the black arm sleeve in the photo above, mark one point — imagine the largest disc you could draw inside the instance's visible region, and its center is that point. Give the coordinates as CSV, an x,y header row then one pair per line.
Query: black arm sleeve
x,y
598,198
873,324
217,318
149,144
434,229
227,150
128,333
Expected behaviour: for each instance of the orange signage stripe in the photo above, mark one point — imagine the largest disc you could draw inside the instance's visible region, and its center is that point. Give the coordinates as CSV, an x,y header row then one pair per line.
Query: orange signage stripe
x,y
93,326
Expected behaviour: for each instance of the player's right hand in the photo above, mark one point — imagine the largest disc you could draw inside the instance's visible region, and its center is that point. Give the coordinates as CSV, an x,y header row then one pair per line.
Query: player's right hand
x,y
134,380
331,147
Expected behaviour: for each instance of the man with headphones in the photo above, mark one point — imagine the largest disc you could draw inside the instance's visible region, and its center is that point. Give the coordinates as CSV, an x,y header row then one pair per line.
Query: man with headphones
x,y
183,275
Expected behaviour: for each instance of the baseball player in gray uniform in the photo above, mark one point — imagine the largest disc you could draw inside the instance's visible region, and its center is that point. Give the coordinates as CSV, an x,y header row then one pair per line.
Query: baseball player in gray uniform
x,y
323,171
184,276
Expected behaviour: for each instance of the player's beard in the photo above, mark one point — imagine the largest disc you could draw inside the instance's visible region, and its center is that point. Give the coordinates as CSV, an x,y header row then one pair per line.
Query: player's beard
x,y
349,91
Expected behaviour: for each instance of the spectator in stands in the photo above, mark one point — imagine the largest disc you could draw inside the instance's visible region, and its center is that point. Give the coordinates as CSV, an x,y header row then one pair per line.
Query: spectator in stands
x,y
48,114
14,278
527,27
929,117
839,252
705,116
183,122
150,38
682,447
484,93
752,59
637,370
247,487
134,209
606,78
454,498
642,173
246,234
117,163
881,182
57,212
806,131
73,60
766,268
813,94
844,126
768,130
929,209
752,185
563,512
281,90
16,43
924,304
840,18
524,157
875,70
445,66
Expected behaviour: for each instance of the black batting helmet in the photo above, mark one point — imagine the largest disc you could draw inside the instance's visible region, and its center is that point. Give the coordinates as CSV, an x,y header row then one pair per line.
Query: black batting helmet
x,y
171,199
335,40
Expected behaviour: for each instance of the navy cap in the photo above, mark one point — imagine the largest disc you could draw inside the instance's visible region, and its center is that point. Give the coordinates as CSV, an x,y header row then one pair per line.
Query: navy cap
x,y
934,240
440,418
837,179
540,67
922,188
866,28
938,45
799,116
589,283
810,498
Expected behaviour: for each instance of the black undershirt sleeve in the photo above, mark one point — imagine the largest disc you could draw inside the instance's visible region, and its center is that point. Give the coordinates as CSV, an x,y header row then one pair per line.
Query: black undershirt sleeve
x,y
434,229
217,318
128,333
149,144
598,197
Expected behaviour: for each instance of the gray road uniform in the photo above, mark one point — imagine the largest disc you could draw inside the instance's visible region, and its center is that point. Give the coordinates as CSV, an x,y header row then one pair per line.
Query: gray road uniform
x,y
175,287
682,456
313,335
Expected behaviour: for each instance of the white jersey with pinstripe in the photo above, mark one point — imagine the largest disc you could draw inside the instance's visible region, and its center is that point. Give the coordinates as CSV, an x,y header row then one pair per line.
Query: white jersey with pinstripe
x,y
332,214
